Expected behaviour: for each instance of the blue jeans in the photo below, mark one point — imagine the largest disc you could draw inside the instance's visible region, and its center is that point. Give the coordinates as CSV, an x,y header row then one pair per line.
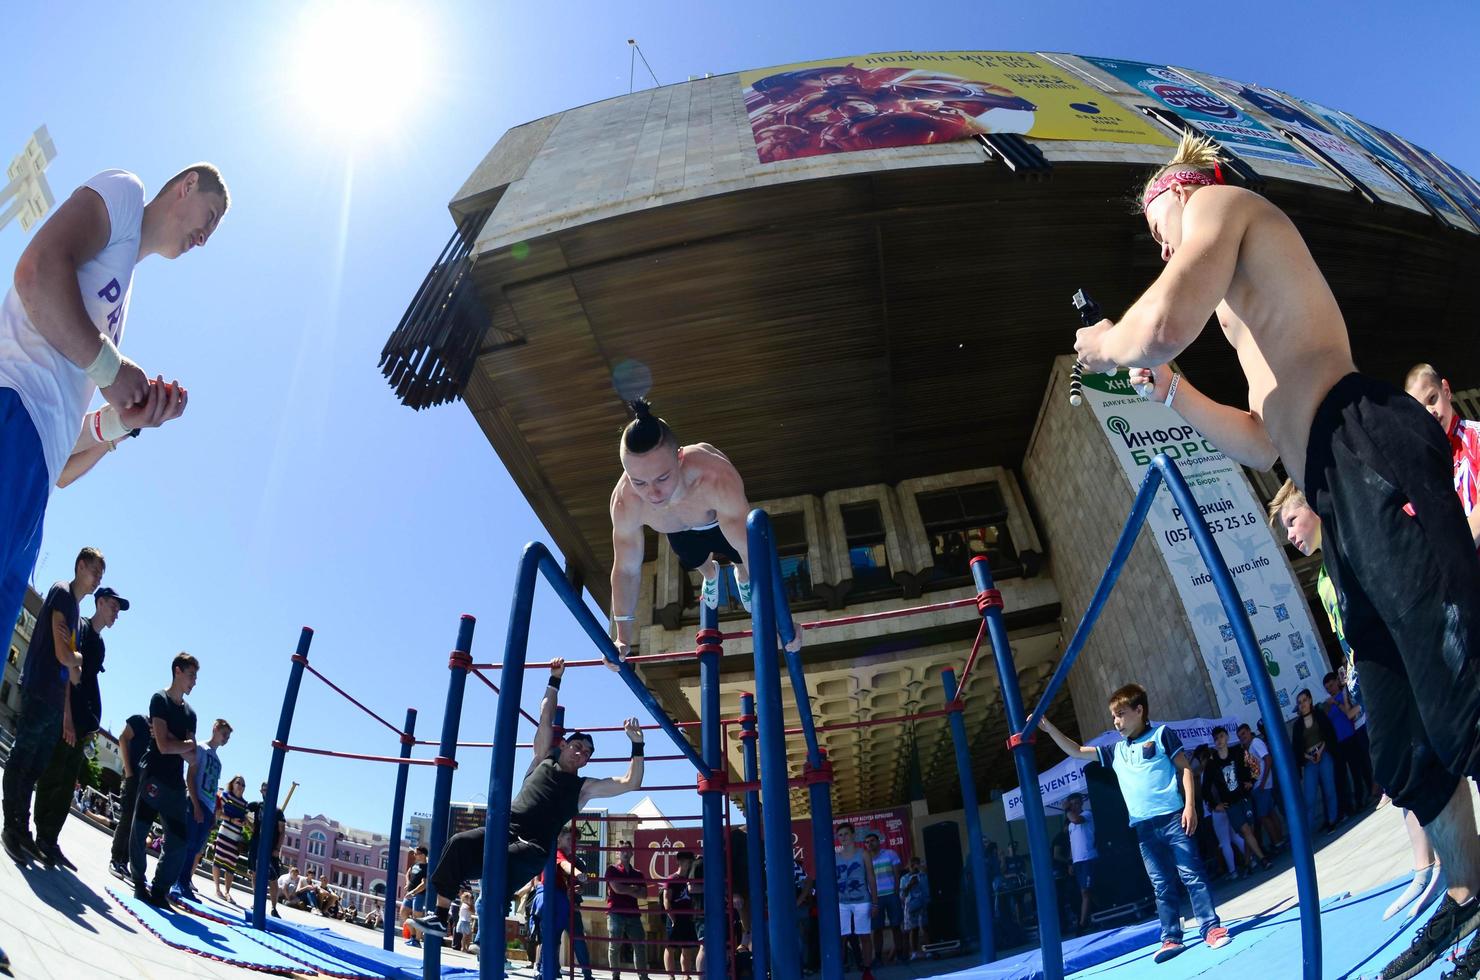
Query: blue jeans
x,y
195,842
1324,774
1170,853
27,484
562,920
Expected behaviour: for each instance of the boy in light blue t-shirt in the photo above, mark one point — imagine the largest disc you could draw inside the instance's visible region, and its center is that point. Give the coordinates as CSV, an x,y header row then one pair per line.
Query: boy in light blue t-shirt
x,y
1160,796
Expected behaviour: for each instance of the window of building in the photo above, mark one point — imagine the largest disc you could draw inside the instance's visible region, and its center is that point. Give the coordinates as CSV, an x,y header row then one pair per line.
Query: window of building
x,y
963,522
863,526
15,655
790,533
318,844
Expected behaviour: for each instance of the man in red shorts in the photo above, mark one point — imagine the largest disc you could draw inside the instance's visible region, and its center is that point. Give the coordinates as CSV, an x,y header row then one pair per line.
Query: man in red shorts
x,y
1360,450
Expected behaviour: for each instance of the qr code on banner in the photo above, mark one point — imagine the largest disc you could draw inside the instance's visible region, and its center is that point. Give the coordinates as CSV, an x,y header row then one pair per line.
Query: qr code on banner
x,y
1248,692
1302,669
1297,641
1281,613
1284,697
1249,607
1226,631
1230,666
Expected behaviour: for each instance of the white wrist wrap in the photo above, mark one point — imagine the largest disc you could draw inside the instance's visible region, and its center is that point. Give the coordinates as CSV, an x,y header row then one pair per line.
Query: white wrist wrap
x,y
104,368
105,425
1172,390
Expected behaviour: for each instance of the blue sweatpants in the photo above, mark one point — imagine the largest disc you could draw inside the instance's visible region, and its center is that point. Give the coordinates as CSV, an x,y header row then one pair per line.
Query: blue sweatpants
x,y
24,485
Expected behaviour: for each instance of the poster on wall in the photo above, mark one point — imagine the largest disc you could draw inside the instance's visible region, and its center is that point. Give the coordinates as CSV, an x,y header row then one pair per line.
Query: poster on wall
x,y
1357,163
1436,170
913,98
1212,114
1419,183
892,826
1136,430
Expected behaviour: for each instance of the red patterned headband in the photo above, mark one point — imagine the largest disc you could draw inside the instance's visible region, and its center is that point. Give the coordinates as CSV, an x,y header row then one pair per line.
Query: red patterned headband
x,y
1166,180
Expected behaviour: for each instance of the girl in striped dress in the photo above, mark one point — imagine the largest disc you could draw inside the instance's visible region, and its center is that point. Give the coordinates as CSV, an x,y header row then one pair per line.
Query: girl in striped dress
x,y
232,811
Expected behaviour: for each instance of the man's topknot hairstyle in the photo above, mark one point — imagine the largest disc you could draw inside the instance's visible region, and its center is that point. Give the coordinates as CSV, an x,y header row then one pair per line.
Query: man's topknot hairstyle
x,y
1193,153
646,431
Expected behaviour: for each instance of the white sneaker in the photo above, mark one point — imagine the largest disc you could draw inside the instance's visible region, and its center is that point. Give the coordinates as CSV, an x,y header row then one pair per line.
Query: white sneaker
x,y
709,594
744,589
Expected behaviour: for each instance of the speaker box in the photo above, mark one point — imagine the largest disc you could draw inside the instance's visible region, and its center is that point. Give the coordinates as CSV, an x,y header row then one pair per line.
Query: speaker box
x,y
952,907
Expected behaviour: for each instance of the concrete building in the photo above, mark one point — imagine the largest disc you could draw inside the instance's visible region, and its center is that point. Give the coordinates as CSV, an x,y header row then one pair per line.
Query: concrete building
x,y
350,859
875,338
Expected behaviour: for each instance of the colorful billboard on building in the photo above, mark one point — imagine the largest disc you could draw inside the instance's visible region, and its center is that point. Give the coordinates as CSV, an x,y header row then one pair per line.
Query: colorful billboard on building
x,y
1215,116
911,98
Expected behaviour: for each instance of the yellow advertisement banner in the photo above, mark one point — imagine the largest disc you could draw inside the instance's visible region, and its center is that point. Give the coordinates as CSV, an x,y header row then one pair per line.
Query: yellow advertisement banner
x,y
910,98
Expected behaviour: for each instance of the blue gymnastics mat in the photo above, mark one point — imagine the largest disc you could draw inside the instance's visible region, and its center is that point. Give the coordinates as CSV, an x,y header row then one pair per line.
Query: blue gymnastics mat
x,y
204,938
311,957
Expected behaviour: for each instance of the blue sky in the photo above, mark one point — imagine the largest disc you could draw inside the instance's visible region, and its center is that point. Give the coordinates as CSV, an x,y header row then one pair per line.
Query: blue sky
x,y
296,490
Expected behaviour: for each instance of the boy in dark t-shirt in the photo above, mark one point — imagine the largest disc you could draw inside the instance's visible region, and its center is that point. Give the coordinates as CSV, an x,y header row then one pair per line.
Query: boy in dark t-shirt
x,y
162,784
132,742
51,662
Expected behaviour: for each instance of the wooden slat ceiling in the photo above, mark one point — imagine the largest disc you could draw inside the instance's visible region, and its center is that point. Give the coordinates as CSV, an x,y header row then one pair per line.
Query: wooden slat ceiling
x,y
873,328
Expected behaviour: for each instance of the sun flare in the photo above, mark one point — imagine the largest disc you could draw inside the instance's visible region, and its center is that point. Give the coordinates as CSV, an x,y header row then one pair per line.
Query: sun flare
x,y
359,69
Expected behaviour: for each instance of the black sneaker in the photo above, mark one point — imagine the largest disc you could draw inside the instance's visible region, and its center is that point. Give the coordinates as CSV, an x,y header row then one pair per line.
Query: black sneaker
x,y
11,841
431,924
120,871
1467,967
54,851
1450,923
28,843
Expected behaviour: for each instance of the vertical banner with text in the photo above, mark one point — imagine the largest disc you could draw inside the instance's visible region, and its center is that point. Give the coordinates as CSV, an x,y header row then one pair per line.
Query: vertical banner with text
x,y
1137,430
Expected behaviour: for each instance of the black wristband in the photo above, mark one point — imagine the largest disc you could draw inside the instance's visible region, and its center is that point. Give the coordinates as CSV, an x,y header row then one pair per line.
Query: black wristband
x,y
553,682
636,749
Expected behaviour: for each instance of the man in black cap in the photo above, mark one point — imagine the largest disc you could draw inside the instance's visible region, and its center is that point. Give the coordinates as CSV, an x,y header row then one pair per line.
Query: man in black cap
x,y
83,717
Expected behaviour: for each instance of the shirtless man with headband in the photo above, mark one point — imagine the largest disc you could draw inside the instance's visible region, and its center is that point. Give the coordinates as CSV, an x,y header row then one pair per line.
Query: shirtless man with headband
x,y
1360,449
692,494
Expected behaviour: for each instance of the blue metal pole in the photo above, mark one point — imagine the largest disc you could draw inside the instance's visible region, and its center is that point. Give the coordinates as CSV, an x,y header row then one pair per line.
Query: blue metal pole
x,y
712,799
1027,769
780,894
568,594
755,847
975,849
491,955
825,863
457,681
1285,769
268,823
1118,558
398,809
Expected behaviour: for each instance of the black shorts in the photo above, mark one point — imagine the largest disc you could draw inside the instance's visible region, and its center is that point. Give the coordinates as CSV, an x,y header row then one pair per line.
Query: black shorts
x,y
681,929
1408,587
695,546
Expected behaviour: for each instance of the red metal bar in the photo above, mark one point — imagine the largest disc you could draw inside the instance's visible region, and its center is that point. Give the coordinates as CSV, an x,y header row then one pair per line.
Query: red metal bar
x,y
394,760
636,658
617,728
641,820
461,745
342,693
650,758
868,617
478,674
971,660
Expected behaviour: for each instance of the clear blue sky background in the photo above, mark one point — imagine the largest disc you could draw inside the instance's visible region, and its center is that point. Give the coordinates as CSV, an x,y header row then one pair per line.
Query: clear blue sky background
x,y
296,490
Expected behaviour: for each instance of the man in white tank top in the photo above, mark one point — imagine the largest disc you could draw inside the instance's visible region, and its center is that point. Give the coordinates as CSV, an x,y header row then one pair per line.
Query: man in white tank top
x,y
60,327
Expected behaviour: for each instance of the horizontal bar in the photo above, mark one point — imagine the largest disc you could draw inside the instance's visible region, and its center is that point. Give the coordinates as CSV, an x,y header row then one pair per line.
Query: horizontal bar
x,y
649,758
635,658
640,820
478,674
348,697
822,624
461,745
392,759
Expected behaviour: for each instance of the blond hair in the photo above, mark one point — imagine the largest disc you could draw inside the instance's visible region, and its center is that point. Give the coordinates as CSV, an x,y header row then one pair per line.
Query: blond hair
x,y
207,178
1421,372
1193,153
1287,494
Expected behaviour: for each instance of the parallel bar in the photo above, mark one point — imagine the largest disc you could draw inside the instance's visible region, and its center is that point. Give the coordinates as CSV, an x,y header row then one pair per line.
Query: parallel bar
x,y
1286,772
396,760
457,682
1027,771
780,893
975,849
755,845
398,809
263,847
716,907
873,617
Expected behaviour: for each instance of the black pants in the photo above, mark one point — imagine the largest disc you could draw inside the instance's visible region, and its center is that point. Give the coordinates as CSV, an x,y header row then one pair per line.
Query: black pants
x,y
55,788
1408,587
169,804
37,731
125,818
1356,755
462,860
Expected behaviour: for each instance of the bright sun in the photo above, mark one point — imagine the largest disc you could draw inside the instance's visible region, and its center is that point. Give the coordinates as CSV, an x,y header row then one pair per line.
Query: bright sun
x,y
359,69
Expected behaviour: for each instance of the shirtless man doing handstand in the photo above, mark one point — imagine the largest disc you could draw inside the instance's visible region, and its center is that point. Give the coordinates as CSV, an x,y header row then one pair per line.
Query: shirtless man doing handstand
x,y
1360,450
692,494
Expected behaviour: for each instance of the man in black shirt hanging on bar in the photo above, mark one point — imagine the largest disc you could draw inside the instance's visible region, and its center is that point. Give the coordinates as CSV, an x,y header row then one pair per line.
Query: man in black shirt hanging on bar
x,y
552,794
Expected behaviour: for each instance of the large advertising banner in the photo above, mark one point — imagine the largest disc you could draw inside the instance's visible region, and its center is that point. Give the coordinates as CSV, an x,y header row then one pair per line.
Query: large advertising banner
x,y
912,98
1215,116
1357,163
892,826
1436,170
1137,430
1354,131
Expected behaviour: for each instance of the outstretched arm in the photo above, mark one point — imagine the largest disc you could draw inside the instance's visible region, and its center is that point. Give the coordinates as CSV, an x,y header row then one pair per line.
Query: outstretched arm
x,y
1070,747
731,508
627,547
632,780
544,736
